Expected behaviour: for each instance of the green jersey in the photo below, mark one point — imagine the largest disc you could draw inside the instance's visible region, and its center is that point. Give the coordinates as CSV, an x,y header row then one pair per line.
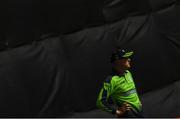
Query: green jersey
x,y
118,89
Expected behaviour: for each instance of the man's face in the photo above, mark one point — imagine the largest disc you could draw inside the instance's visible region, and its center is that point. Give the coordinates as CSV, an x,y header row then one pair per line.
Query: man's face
x,y
127,63
122,64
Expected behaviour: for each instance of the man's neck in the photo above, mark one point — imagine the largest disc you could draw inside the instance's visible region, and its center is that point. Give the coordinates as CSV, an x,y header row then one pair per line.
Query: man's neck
x,y
121,72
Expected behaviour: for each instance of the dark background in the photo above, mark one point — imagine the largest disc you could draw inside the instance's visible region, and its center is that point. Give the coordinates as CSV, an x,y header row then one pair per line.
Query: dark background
x,y
55,54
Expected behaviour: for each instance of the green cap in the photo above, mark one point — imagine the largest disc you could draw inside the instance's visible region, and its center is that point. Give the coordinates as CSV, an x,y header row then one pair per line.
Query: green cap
x,y
120,54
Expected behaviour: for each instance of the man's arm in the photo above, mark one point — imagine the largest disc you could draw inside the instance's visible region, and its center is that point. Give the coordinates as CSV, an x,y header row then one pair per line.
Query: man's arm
x,y
103,99
103,103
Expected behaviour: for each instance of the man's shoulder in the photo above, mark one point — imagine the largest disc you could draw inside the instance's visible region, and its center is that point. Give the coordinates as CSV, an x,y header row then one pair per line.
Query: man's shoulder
x,y
110,77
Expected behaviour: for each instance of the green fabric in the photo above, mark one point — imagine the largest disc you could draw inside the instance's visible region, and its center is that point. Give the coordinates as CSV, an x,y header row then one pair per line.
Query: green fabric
x,y
115,89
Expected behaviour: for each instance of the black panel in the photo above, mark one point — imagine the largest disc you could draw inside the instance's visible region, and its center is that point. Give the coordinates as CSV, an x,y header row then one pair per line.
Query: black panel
x,y
62,73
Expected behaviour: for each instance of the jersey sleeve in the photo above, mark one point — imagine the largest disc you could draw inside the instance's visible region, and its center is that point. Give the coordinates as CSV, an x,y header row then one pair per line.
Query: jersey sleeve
x,y
104,97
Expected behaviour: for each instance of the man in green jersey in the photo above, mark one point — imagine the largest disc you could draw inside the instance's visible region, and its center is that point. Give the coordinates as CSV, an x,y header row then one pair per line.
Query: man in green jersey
x,y
120,88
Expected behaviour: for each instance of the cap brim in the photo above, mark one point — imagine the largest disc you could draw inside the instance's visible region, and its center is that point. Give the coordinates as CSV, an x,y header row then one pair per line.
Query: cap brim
x,y
128,54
